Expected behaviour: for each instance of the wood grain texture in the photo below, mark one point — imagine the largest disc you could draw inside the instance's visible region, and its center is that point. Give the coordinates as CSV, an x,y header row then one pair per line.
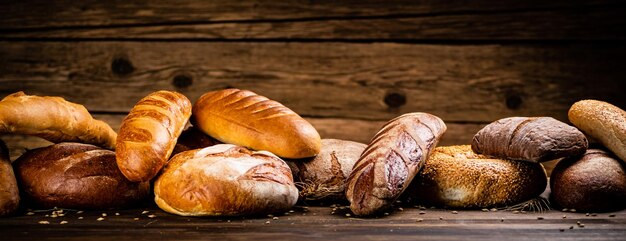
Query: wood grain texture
x,y
31,14
317,223
594,23
378,81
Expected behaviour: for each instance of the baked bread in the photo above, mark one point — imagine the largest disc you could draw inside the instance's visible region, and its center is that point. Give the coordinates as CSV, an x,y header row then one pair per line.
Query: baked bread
x,y
595,182
54,119
456,177
602,121
391,160
323,177
225,180
534,139
148,134
192,138
244,118
77,176
9,193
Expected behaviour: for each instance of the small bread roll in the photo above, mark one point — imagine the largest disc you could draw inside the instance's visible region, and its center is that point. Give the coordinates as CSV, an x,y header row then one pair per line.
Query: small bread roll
x,y
456,177
595,182
9,193
225,180
602,121
78,176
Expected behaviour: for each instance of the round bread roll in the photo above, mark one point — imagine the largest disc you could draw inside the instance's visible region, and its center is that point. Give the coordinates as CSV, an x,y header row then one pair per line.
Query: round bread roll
x,y
9,193
456,177
225,180
595,182
78,176
323,177
602,121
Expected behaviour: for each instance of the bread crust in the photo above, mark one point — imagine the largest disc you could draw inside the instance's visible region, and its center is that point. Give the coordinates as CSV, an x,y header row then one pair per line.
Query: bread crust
x,y
602,121
9,193
244,118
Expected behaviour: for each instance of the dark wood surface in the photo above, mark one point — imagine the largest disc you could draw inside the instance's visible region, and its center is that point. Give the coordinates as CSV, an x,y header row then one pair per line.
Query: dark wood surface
x,y
314,223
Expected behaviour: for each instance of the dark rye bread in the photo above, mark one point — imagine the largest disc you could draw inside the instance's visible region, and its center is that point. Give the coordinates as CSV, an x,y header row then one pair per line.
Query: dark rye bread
x,y
595,182
9,193
391,160
456,177
534,139
78,176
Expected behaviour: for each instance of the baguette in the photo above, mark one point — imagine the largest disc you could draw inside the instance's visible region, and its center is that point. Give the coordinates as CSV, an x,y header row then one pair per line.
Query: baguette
x,y
244,118
602,121
9,193
148,134
391,160
54,119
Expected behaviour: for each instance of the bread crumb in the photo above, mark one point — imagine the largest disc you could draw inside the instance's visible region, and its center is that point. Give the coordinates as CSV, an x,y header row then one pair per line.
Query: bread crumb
x,y
100,219
63,222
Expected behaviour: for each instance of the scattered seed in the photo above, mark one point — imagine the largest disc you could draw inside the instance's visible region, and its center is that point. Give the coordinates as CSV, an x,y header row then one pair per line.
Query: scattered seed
x,y
561,230
572,210
564,217
501,220
515,212
342,207
485,210
419,220
578,223
564,210
422,212
400,209
275,218
587,214
100,219
594,214
144,212
348,215
135,219
270,216
53,216
386,214
61,214
440,218
422,208
80,217
79,212
331,213
582,225
104,214
63,222
571,227
44,222
267,222
291,211
455,212
47,215
30,213
611,215
152,216
493,209
540,218
228,221
117,214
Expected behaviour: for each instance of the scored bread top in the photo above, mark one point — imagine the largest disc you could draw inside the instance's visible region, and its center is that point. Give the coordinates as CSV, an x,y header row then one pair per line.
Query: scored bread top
x,y
244,118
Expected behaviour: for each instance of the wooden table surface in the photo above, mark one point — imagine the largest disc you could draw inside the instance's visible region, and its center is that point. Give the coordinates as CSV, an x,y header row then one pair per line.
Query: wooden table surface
x,y
306,223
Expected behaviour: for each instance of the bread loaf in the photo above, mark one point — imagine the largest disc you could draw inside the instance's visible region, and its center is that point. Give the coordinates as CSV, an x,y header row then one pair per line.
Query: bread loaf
x,y
244,118
595,182
456,177
323,177
602,121
193,138
225,180
78,176
391,160
534,139
53,119
9,193
148,134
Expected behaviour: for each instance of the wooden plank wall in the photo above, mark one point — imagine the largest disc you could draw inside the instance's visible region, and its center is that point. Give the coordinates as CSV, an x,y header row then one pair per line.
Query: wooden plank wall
x,y
346,66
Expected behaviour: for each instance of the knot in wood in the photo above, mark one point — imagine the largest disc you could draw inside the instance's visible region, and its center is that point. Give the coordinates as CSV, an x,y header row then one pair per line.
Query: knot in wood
x,y
122,66
514,101
182,81
395,100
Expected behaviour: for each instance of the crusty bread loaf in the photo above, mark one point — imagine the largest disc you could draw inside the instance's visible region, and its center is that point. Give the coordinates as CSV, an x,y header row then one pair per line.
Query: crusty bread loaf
x,y
148,134
456,177
225,180
391,160
9,193
602,121
193,138
244,118
53,119
534,139
595,182
323,177
74,175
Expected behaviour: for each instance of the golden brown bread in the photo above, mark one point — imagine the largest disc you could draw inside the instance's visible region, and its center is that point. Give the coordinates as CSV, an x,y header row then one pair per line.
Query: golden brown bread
x,y
594,182
225,180
75,175
53,119
391,160
148,134
9,193
456,177
244,118
602,121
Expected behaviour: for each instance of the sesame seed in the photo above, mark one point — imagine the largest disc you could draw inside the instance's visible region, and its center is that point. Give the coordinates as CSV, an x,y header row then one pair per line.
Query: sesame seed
x,y
63,222
564,217
348,215
144,212
564,210
117,214
53,216
100,219
400,209
80,217
440,218
455,212
485,210
44,222
422,212
493,209
587,214
79,212
419,220
291,211
104,214
30,213
61,214
386,214
572,210
152,216
267,222
135,219
275,218
270,216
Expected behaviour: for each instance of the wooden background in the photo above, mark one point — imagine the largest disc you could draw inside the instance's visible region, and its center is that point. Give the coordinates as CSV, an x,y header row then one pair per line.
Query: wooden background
x,y
346,66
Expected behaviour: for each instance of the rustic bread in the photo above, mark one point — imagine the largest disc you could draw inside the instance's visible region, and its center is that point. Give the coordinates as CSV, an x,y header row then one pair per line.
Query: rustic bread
x,y
534,139
391,160
225,180
78,176
193,138
602,121
244,118
595,182
148,134
53,119
456,177
9,193
323,177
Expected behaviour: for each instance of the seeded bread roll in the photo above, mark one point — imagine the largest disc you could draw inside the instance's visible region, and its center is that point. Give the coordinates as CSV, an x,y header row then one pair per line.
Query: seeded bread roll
x,y
225,180
456,177
595,182
77,176
602,121
9,193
